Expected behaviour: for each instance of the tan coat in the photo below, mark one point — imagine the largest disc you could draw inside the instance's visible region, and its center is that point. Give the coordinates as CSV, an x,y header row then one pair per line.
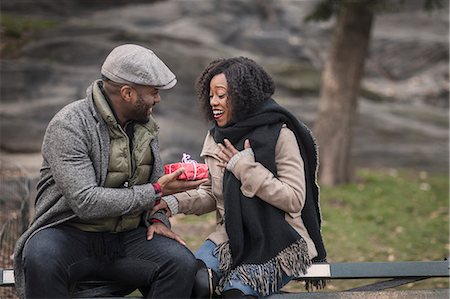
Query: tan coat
x,y
287,192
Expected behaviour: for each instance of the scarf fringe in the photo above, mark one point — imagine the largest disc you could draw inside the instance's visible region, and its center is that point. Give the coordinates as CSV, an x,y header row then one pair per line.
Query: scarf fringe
x,y
267,278
223,253
315,284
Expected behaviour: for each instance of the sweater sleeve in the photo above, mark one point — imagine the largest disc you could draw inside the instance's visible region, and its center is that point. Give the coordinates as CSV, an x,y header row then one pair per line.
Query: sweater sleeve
x,y
67,152
287,191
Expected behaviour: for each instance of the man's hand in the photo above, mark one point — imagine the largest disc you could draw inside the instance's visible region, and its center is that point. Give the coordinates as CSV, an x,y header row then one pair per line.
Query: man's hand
x,y
161,229
170,185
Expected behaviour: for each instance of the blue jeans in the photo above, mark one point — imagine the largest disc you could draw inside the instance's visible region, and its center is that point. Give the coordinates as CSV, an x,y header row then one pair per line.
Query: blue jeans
x,y
205,253
55,258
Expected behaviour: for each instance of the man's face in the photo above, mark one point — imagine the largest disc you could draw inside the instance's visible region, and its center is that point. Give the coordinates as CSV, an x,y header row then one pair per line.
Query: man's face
x,y
147,97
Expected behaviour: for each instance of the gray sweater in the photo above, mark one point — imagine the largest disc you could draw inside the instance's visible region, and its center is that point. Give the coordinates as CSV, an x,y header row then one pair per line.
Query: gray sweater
x,y
75,154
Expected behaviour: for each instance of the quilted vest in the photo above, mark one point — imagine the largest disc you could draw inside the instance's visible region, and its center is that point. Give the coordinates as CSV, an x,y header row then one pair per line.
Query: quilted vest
x,y
127,167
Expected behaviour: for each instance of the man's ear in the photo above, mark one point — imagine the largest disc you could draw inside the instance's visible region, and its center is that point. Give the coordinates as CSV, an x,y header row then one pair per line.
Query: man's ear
x,y
126,91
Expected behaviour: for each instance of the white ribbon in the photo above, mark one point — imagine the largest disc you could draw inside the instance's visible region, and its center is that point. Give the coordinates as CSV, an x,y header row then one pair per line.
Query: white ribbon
x,y
187,159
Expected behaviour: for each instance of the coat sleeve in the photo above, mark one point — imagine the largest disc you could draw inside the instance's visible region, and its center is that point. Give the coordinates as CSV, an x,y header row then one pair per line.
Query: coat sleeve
x,y
287,191
197,202
67,152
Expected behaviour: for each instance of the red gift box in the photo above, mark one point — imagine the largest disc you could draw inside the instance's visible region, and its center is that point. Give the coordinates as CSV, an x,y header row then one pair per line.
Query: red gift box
x,y
193,170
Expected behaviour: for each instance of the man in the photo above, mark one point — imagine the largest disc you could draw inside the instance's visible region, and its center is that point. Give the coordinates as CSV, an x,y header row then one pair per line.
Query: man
x,y
100,178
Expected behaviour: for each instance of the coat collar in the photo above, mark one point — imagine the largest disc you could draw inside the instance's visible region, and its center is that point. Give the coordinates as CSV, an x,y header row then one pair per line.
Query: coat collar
x,y
210,147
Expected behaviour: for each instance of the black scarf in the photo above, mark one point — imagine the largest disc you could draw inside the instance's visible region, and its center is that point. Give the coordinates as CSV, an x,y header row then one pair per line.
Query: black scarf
x,y
261,242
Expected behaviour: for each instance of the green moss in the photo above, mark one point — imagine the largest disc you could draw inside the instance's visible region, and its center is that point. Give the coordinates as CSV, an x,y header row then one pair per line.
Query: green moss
x,y
374,96
17,26
296,77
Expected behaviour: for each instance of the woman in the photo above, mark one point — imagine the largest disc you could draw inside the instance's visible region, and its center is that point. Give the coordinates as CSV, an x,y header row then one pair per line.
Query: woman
x,y
262,164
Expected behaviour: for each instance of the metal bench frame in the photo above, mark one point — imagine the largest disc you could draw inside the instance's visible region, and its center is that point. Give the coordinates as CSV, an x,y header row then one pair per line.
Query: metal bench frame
x,y
397,273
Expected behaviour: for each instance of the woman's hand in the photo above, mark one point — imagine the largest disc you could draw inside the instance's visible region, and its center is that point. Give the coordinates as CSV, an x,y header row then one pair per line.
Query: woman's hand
x,y
227,151
161,205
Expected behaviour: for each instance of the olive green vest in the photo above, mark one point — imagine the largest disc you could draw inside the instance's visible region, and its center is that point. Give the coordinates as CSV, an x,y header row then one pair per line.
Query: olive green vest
x,y
126,168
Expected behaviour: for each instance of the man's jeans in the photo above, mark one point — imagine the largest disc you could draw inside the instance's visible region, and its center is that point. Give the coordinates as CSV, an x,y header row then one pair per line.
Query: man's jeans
x,y
55,258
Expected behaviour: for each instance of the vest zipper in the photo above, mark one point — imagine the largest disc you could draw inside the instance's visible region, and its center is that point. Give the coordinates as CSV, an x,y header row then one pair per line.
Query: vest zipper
x,y
130,157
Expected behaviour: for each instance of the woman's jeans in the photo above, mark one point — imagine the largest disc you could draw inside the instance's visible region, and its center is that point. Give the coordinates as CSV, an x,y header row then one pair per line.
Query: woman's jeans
x,y
205,253
55,258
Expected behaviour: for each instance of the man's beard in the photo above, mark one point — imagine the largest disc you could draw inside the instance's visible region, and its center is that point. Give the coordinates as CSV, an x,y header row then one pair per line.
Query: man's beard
x,y
141,112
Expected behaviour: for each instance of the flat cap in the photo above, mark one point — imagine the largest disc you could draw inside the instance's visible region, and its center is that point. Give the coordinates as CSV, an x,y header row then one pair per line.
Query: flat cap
x,y
135,64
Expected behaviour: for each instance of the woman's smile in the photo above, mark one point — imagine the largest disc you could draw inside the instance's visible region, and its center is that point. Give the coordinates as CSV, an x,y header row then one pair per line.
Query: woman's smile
x,y
218,99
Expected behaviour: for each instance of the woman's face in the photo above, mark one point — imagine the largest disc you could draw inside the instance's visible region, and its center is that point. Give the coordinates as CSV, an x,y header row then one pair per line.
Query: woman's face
x,y
218,99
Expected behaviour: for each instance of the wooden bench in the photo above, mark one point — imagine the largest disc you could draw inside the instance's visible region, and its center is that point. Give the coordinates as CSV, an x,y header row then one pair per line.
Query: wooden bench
x,y
396,273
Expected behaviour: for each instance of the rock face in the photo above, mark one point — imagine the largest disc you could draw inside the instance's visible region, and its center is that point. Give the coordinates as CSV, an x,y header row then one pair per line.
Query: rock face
x,y
407,71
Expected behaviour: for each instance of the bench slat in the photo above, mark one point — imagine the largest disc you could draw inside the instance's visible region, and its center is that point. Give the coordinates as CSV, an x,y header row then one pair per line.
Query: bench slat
x,y
318,270
347,270
7,277
389,269
400,271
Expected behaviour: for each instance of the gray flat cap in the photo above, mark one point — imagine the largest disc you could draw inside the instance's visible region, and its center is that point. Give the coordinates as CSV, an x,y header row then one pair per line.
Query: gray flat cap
x,y
135,64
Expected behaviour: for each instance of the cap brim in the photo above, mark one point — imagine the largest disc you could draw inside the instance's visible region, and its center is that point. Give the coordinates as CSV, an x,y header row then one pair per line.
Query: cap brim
x,y
168,85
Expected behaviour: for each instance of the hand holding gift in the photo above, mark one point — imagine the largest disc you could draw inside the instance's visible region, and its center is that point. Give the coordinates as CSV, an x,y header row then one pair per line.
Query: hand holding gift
x,y
170,184
192,170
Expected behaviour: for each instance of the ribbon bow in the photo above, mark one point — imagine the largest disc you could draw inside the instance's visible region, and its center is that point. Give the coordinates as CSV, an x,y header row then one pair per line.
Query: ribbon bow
x,y
187,159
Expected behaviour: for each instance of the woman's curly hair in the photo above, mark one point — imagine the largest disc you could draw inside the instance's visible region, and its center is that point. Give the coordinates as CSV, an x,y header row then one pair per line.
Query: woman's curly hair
x,y
248,85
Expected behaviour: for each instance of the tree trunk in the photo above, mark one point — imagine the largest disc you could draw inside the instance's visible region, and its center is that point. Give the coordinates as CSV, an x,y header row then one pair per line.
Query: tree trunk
x,y
339,93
